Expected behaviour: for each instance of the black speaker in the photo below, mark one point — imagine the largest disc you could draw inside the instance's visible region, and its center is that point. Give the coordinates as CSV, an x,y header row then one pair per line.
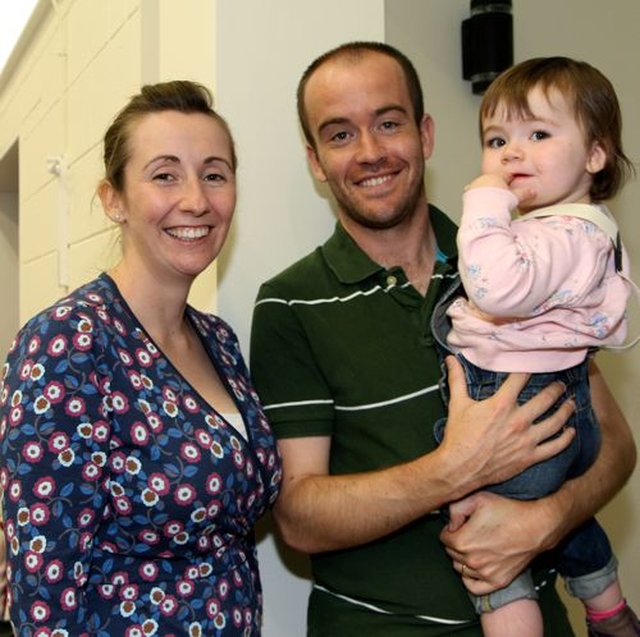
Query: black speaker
x,y
487,42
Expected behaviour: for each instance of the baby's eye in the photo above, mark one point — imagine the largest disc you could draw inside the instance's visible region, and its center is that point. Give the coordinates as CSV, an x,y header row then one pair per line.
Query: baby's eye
x,y
495,142
539,134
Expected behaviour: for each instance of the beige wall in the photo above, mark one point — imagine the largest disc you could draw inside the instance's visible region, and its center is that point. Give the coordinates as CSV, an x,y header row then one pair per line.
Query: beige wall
x,y
86,57
81,61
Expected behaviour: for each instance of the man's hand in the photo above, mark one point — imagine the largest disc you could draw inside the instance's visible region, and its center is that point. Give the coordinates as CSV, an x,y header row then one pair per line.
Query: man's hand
x,y
494,439
493,552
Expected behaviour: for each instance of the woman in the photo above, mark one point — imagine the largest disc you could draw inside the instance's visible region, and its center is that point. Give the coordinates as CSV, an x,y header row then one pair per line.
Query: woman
x,y
136,458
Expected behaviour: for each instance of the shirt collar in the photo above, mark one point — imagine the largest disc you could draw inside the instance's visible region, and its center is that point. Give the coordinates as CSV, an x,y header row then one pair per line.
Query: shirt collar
x,y
351,264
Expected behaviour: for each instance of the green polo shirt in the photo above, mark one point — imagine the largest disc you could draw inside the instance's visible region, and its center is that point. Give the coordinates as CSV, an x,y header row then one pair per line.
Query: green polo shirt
x,y
342,347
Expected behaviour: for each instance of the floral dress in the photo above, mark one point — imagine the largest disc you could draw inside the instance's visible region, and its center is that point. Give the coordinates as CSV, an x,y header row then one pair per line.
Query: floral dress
x,y
130,503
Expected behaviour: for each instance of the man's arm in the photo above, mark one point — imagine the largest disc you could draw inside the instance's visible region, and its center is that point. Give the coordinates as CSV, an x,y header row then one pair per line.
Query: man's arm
x,y
485,442
501,536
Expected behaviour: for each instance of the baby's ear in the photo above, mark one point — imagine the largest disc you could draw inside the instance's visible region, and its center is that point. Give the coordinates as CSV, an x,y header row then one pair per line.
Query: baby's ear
x,y
597,159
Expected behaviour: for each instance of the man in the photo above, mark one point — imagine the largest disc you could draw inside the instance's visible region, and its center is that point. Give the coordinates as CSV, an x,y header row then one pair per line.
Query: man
x,y
343,358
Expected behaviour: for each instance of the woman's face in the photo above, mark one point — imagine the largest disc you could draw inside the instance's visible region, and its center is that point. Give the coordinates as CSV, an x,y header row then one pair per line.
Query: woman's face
x,y
179,195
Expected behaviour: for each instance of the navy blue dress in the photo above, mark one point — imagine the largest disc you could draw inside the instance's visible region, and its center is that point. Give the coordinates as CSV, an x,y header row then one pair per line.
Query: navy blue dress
x,y
129,502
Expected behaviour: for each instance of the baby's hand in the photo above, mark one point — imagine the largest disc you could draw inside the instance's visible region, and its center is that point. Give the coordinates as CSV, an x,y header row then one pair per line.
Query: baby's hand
x,y
488,180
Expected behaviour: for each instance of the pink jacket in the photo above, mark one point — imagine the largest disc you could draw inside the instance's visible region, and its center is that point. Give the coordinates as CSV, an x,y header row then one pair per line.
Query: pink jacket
x,y
541,291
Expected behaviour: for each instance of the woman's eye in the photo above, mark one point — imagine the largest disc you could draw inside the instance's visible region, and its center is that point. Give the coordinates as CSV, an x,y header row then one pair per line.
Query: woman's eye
x,y
163,177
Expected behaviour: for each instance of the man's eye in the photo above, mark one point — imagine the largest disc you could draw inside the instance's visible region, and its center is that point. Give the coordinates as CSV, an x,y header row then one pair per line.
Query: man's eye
x,y
339,137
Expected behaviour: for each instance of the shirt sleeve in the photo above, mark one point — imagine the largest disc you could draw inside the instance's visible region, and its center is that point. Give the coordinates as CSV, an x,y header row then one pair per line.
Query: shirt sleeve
x,y
291,386
54,438
521,268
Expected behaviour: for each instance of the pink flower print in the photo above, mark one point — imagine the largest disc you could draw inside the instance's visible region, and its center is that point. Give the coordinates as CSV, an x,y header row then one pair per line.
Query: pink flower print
x,y
91,472
123,505
185,588
68,599
119,578
169,395
214,483
172,528
213,509
184,494
146,381
149,536
40,611
125,357
190,404
54,571
59,441
32,561
143,357
119,402
15,415
54,392
223,588
44,487
149,571
117,462
57,346
82,342
203,438
169,605
129,593
213,607
101,431
189,452
154,422
86,517
39,513
159,483
61,313
119,326
139,434
15,490
74,407
32,452
25,370
134,379
33,346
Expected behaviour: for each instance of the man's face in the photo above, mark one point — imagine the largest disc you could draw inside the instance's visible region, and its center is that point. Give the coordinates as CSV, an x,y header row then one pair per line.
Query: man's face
x,y
368,148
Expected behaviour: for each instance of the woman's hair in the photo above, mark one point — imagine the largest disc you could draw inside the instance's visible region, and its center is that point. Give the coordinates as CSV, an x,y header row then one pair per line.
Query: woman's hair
x,y
354,52
180,95
594,103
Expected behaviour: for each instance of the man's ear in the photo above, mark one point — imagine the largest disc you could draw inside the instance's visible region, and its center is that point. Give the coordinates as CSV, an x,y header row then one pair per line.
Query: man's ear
x,y
316,168
111,201
597,159
427,134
